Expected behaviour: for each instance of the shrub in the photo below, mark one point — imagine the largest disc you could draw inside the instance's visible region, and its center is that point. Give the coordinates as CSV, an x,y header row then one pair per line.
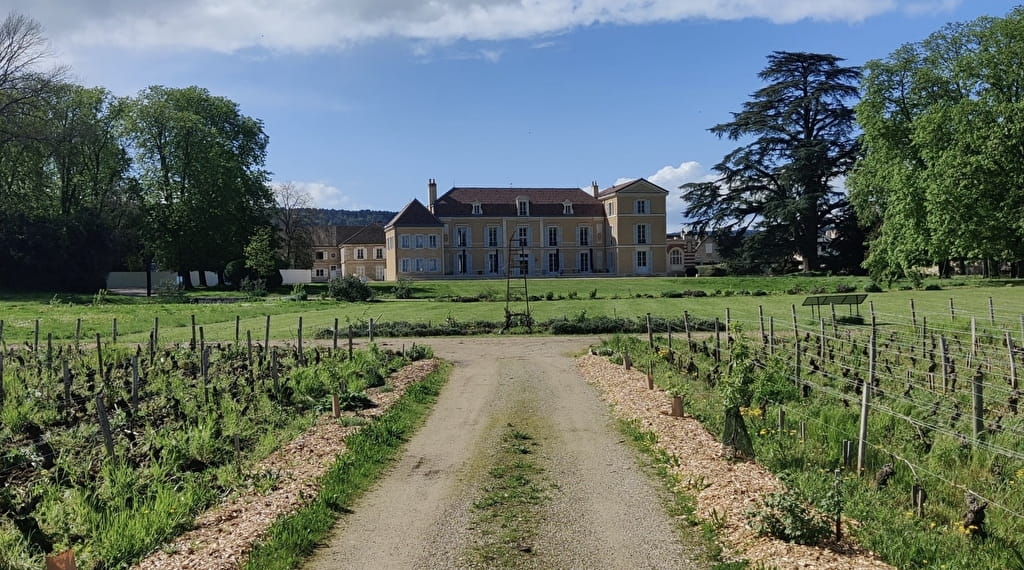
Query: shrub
x,y
418,352
402,289
712,271
845,288
872,288
758,293
254,288
593,293
349,288
933,287
672,294
850,319
170,291
573,295
298,292
787,516
549,296
235,271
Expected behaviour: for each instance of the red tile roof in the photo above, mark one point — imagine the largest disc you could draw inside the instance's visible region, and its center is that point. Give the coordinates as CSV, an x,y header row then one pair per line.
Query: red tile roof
x,y
502,202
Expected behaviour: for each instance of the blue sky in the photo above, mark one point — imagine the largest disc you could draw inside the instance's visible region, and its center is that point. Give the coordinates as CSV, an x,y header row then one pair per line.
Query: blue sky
x,y
365,100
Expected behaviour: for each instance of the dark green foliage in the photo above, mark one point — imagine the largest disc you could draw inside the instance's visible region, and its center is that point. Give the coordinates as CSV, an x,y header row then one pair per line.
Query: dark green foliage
x,y
349,288
235,271
872,288
775,195
788,516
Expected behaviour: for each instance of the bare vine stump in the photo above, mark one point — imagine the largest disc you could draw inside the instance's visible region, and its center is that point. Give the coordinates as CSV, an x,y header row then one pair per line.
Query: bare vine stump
x,y
677,406
974,518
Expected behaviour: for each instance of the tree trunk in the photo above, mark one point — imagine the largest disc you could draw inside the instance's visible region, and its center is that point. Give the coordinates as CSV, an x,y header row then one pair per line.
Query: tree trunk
x,y
186,278
202,278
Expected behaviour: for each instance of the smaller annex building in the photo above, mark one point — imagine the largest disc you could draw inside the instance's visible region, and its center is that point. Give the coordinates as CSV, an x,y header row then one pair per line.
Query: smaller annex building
x,y
340,251
483,232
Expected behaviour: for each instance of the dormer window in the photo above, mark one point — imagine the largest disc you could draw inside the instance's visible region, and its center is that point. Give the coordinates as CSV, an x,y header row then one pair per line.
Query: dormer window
x,y
477,209
567,208
523,206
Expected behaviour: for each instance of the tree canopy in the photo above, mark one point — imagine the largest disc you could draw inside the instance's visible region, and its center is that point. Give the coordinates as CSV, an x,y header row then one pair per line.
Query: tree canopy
x,y
943,122
777,195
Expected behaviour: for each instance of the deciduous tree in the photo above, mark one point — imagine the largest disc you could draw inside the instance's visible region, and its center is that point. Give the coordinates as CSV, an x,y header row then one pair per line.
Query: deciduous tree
x,y
943,121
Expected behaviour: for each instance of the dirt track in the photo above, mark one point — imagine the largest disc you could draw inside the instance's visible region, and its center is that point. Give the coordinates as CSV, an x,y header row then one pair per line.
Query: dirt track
x,y
604,511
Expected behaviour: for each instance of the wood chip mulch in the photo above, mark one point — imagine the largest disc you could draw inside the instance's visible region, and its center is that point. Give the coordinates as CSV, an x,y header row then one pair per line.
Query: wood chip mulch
x,y
222,537
731,487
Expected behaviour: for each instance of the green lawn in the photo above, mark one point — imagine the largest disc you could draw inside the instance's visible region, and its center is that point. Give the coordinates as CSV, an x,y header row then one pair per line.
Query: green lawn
x,y
629,297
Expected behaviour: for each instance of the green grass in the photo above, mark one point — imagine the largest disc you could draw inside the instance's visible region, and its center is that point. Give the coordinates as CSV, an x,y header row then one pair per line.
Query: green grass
x,y
369,452
630,297
507,513
945,466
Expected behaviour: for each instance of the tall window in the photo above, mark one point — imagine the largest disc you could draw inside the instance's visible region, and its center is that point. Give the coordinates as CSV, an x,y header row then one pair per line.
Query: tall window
x,y
404,242
320,256
641,259
524,236
492,236
419,241
378,253
419,264
432,264
584,232
405,265
610,208
709,247
552,263
360,253
567,208
492,262
461,237
477,210
432,241
642,207
523,206
641,233
552,236
676,257
584,266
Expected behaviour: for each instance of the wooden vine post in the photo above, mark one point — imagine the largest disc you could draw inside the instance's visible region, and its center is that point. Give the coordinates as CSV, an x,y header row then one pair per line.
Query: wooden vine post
x,y
302,355
3,394
718,341
760,319
991,312
1013,361
334,336
35,341
945,363
101,412
266,334
156,331
977,398
952,311
114,331
135,383
865,399
192,342
771,335
99,358
350,342
796,349
913,315
238,328
686,326
821,339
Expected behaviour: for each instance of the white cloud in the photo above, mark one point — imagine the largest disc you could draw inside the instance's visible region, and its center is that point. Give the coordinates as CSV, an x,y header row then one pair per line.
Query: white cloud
x,y
671,178
324,195
232,25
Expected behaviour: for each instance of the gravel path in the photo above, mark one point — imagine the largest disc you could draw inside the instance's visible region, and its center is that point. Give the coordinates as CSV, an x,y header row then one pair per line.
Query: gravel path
x,y
603,513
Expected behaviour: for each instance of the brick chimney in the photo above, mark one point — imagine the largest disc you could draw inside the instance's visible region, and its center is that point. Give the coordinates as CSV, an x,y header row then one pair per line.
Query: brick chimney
x,y
431,194
593,186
